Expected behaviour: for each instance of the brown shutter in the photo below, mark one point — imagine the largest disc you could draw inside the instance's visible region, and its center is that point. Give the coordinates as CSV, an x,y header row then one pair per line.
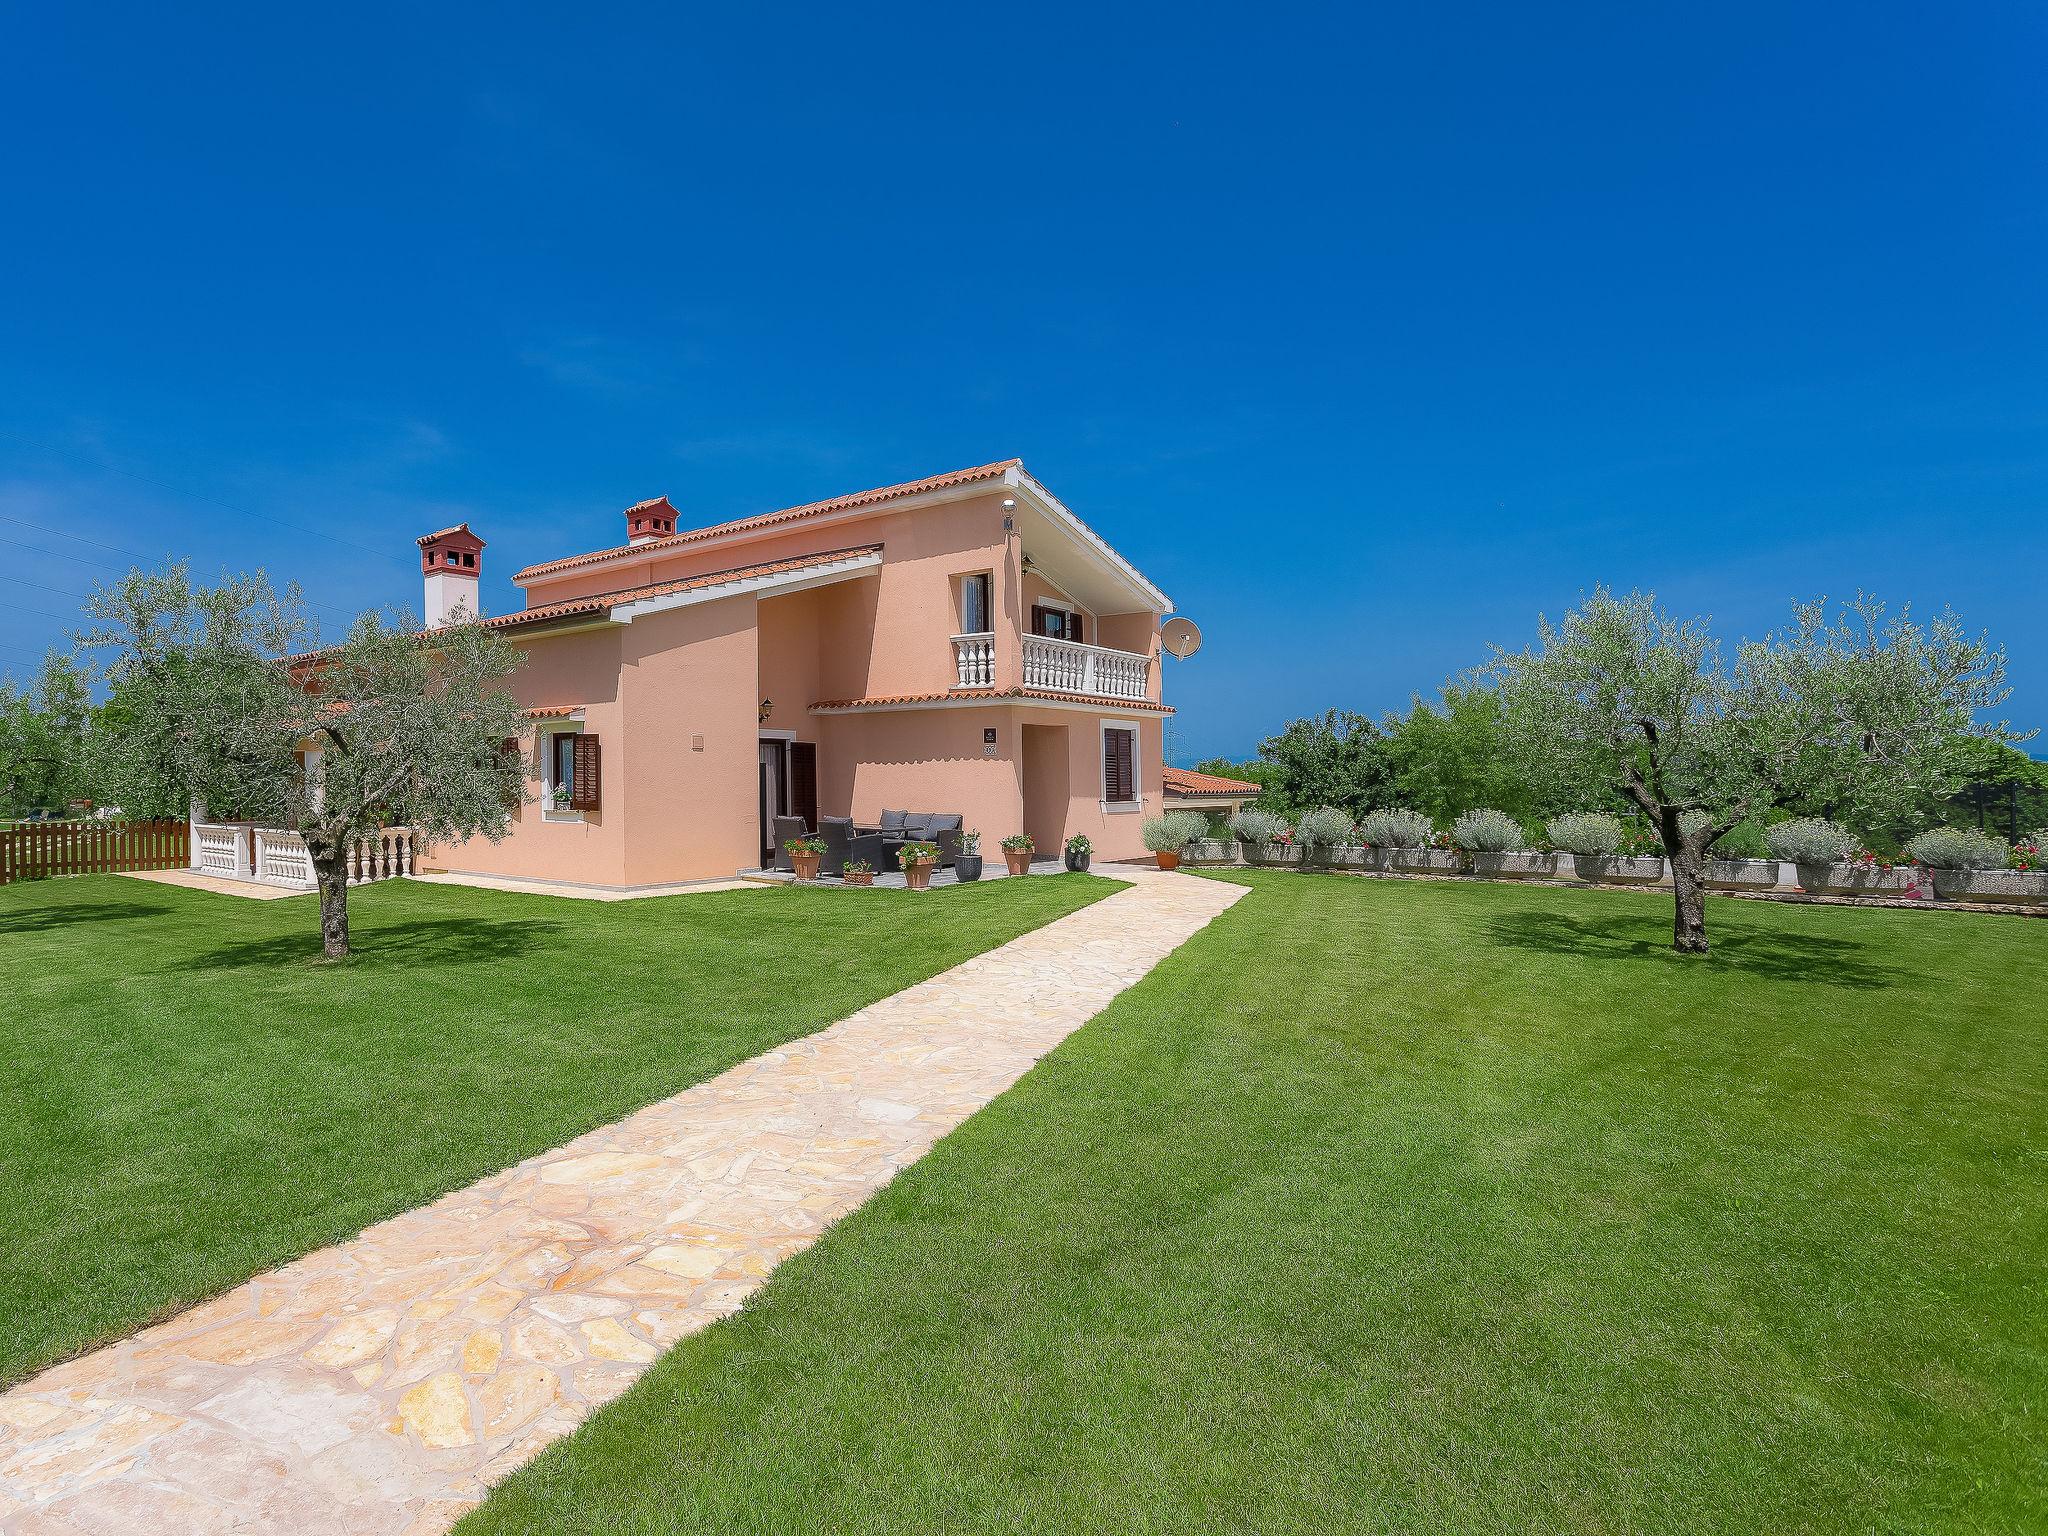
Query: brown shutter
x,y
1127,751
586,793
1039,620
1074,620
1117,783
803,782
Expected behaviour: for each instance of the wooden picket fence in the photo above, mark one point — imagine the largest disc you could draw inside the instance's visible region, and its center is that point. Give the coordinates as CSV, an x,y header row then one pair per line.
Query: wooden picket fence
x,y
40,849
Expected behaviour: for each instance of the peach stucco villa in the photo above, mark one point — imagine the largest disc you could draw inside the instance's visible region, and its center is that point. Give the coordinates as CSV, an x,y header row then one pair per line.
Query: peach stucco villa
x,y
959,644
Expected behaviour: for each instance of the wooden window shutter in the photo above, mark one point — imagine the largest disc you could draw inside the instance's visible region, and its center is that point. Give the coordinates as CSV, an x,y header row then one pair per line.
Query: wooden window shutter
x,y
803,782
586,793
1118,785
1040,621
1074,624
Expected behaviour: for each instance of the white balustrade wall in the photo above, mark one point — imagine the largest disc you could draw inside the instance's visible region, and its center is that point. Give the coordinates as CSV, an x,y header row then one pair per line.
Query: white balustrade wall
x,y
280,857
974,659
1068,666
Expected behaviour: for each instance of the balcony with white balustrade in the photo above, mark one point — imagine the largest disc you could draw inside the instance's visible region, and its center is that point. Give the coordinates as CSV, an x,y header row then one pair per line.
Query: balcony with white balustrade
x,y
1057,666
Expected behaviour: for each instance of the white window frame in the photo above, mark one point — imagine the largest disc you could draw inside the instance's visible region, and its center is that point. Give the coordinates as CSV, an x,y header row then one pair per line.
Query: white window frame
x,y
549,731
988,581
1136,804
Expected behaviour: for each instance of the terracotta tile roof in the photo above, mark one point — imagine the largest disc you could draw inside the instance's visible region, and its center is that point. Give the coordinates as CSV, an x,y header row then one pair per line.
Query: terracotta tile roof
x,y
551,711
991,695
1185,781
604,602
441,533
771,519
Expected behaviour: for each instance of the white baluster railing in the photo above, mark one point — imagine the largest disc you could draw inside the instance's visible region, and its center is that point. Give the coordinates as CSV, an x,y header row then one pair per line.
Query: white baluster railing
x,y
282,859
974,661
1068,666
222,850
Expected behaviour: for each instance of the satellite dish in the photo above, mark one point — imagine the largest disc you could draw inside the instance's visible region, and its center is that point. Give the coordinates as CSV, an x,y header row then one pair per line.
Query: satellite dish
x,y
1180,637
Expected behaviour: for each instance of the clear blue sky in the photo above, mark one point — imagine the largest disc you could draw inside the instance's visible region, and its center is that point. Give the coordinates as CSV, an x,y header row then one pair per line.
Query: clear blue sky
x,y
1366,333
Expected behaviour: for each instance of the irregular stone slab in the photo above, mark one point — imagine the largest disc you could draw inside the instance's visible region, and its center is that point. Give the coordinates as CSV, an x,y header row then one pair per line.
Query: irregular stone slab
x,y
380,1388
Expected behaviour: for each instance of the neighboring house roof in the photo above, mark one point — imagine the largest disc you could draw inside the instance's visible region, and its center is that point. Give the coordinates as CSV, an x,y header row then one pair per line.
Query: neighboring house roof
x,y
772,519
552,711
959,696
1185,781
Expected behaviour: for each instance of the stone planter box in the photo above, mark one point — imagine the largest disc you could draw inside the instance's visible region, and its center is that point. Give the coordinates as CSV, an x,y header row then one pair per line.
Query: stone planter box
x,y
1516,866
1618,869
1427,861
1854,879
1212,850
2004,887
1272,856
1742,874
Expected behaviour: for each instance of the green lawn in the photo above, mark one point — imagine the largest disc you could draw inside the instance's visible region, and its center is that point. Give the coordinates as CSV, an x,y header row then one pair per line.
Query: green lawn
x,y
1388,1206
186,1098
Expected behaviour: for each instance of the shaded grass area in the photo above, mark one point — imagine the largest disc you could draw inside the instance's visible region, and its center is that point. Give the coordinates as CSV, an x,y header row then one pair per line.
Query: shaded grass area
x,y
1414,1207
187,1097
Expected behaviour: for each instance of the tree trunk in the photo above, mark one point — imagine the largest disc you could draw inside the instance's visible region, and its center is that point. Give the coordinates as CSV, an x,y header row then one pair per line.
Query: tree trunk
x,y
333,876
1689,893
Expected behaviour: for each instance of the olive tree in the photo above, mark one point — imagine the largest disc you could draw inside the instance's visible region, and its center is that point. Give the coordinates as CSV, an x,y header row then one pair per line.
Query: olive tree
x,y
196,692
412,730
43,732
1845,704
213,700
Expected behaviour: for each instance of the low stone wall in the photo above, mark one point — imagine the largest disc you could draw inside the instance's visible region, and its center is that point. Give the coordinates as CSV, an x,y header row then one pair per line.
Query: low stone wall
x,y
1989,887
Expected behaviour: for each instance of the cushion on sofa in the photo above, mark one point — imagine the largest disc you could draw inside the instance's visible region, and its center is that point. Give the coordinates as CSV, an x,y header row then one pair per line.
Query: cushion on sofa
x,y
891,820
934,825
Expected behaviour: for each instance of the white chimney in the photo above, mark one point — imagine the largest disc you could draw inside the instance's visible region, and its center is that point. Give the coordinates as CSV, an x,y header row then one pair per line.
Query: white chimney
x,y
649,520
452,563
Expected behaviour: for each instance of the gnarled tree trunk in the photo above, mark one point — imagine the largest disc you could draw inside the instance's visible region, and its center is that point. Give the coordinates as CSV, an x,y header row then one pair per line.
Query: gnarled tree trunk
x,y
1689,893
330,868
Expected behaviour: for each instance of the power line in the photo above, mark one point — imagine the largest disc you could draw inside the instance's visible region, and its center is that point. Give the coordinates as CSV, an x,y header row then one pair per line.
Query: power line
x,y
228,506
109,565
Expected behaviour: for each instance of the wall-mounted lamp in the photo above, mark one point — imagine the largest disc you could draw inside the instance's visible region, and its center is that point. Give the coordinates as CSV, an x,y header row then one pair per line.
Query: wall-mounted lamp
x,y
767,709
1009,506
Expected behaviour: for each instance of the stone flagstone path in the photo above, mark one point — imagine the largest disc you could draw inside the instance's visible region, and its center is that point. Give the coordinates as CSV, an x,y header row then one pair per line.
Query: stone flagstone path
x,y
383,1385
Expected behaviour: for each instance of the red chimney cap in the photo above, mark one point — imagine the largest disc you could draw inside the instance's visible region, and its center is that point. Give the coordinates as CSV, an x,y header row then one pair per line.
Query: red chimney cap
x,y
651,519
450,549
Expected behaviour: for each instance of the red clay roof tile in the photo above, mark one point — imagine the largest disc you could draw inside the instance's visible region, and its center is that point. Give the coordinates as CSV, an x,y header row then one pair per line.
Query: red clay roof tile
x,y
771,519
1185,781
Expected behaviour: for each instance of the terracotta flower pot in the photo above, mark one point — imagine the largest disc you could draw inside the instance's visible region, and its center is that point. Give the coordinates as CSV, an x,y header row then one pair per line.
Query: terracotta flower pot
x,y
1167,860
805,865
1019,860
918,876
860,877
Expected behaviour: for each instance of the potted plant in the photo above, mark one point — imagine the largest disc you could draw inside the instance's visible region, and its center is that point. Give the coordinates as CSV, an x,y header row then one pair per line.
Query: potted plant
x,y
1967,865
1402,839
1078,850
1255,831
1321,833
1594,840
1492,843
1823,854
1739,860
804,853
859,872
1017,852
918,861
967,862
1168,836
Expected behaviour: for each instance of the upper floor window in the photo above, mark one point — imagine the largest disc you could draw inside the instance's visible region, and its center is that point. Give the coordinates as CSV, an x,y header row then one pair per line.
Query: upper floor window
x,y
1056,623
974,605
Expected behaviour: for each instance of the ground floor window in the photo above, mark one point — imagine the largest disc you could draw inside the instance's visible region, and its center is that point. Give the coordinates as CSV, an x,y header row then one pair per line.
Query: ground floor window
x,y
562,767
1119,765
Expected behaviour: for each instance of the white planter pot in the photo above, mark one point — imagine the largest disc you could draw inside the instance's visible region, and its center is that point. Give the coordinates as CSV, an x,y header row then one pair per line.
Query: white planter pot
x,y
1427,861
1515,866
2002,887
1618,869
1854,879
1742,874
